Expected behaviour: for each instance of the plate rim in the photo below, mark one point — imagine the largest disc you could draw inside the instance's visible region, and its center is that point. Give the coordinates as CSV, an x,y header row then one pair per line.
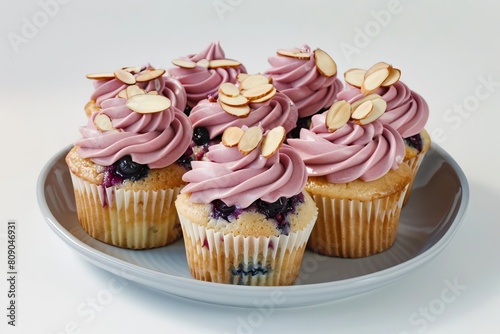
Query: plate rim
x,y
150,277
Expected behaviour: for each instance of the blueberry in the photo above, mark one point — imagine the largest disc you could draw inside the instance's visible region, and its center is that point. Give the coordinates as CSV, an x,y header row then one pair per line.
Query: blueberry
x,y
415,142
201,136
221,209
271,210
187,110
130,170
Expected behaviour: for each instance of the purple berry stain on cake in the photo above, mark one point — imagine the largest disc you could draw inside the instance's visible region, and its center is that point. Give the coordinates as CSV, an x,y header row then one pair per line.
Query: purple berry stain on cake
x,y
277,211
205,244
121,170
244,270
415,141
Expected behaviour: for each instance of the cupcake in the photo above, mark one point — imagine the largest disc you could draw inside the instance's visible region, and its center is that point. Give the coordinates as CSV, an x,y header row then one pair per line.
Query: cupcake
x,y
201,74
148,78
308,78
125,172
356,176
252,101
407,111
244,213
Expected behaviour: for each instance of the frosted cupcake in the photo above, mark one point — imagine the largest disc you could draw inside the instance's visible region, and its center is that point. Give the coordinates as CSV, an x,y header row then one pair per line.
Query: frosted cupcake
x,y
244,214
356,177
148,78
252,101
407,111
308,77
201,74
125,173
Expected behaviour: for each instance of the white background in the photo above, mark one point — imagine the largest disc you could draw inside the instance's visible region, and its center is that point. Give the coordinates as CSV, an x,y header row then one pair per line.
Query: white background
x,y
446,50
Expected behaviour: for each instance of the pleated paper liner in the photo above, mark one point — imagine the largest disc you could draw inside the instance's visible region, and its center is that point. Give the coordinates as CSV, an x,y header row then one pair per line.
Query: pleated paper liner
x,y
127,218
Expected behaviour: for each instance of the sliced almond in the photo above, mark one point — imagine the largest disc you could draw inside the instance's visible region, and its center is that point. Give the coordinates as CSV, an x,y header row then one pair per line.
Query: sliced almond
x,y
297,54
231,136
153,92
123,94
355,77
216,63
362,110
203,63
393,77
250,140
338,115
103,123
184,63
235,101
257,92
238,111
377,67
374,80
254,80
149,75
242,76
356,104
325,64
147,104
101,76
379,107
132,69
273,141
134,90
229,89
266,97
125,77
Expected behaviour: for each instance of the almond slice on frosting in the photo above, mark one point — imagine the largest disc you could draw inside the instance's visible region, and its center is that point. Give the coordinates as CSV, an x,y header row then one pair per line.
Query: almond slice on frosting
x,y
355,77
295,53
233,101
238,111
216,63
229,89
148,104
103,123
253,81
325,64
338,115
257,92
101,76
184,63
242,76
134,90
266,97
203,63
393,77
123,94
125,77
377,67
374,80
250,140
362,110
149,75
272,141
231,136
379,108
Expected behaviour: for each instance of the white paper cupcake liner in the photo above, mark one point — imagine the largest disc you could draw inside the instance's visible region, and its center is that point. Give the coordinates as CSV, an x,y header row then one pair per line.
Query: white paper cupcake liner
x,y
353,229
414,164
127,218
235,259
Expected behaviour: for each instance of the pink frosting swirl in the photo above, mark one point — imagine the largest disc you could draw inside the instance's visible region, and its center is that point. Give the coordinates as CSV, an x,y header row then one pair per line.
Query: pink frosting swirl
x,y
164,85
365,152
240,180
156,139
279,110
300,80
407,111
201,82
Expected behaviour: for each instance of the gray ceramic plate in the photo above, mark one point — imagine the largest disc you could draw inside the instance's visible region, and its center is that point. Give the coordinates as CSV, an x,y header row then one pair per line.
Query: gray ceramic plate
x,y
428,223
